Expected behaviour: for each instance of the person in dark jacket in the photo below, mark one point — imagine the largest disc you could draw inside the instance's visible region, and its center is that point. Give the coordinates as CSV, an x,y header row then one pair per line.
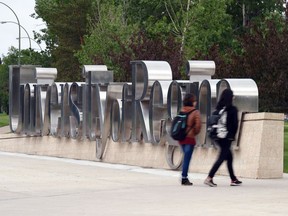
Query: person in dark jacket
x,y
226,100
193,128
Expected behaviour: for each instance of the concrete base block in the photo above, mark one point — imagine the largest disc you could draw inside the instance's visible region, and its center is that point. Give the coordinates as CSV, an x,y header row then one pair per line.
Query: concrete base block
x,y
259,155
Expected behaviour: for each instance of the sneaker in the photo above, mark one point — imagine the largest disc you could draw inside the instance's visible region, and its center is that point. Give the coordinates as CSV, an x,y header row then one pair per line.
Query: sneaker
x,y
236,183
210,182
185,181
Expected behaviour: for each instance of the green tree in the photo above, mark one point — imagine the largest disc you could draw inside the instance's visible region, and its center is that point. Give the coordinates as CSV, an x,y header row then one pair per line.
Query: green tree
x,y
115,43
234,33
184,20
4,96
210,25
106,32
198,25
245,11
67,24
264,58
29,57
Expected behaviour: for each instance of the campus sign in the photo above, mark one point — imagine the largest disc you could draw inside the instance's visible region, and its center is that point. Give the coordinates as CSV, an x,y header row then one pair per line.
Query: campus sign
x,y
98,108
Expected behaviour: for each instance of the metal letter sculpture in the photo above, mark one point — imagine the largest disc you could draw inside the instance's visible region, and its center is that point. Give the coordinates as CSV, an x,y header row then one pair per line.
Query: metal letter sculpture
x,y
99,109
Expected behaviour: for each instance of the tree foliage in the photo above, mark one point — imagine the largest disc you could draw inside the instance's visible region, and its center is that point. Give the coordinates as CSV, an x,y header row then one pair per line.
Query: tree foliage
x,y
29,57
264,59
4,85
210,25
244,12
67,24
115,43
143,47
196,24
245,38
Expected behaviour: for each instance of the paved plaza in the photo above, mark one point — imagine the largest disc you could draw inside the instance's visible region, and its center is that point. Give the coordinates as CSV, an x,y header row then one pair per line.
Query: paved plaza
x,y
41,186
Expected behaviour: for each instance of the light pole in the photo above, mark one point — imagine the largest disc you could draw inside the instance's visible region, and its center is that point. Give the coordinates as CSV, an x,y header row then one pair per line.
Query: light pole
x,y
30,42
4,22
19,27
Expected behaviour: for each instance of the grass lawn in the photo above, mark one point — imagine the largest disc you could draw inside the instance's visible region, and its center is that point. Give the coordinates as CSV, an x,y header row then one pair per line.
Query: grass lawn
x,y
4,120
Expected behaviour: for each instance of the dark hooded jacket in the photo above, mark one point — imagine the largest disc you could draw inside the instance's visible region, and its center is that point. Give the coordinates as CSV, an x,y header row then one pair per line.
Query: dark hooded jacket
x,y
226,100
232,121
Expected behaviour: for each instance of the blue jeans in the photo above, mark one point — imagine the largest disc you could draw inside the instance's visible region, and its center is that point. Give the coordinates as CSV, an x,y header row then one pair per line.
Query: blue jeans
x,y
187,151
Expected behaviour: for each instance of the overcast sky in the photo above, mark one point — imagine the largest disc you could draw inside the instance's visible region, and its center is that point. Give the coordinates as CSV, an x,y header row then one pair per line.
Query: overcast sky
x,y
9,32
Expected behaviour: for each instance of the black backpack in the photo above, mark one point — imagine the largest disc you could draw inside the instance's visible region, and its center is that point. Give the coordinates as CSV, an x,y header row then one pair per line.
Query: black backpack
x,y
216,127
179,125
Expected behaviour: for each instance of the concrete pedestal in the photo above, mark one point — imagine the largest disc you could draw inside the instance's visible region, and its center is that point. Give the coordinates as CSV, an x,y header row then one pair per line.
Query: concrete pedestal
x,y
259,155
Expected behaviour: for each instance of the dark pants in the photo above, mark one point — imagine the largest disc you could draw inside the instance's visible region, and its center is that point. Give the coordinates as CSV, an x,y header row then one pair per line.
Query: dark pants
x,y
187,151
225,154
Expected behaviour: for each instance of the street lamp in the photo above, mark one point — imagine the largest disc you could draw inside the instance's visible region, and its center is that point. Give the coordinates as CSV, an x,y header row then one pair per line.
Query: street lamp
x,y
19,27
4,22
30,42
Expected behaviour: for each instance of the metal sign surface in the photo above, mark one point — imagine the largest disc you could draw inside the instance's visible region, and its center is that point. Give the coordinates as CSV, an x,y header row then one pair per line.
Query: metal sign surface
x,y
98,109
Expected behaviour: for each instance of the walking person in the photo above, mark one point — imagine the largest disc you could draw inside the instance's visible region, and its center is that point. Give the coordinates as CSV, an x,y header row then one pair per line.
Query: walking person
x,y
226,102
193,128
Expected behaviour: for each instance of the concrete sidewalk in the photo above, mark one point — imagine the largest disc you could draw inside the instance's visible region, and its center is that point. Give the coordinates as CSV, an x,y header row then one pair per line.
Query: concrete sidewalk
x,y
5,130
47,186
